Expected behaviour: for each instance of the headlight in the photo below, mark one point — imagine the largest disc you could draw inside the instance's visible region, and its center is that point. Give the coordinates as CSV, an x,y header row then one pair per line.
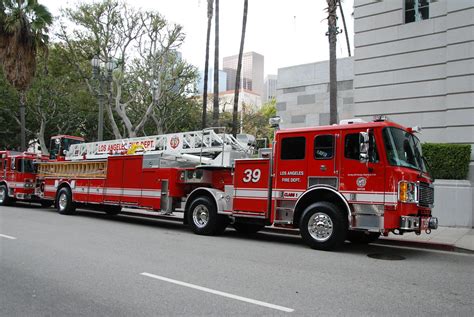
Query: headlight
x,y
407,192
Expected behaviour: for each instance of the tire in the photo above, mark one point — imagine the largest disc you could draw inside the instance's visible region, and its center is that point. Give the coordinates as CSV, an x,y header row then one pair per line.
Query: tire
x,y
203,218
247,228
112,210
362,237
323,226
64,203
46,203
5,200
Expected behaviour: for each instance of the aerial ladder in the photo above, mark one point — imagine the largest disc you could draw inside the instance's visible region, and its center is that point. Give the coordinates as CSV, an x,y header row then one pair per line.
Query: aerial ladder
x,y
195,148
205,147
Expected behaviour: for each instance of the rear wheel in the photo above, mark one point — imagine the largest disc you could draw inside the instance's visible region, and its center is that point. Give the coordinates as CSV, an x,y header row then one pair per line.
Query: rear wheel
x,y
362,237
247,228
5,200
64,203
204,219
323,226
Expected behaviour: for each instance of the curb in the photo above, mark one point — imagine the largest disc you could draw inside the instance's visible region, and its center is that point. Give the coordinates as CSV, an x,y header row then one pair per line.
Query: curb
x,y
390,242
418,244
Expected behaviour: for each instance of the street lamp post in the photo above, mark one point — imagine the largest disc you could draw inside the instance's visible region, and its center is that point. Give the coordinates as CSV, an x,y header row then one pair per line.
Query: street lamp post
x,y
104,81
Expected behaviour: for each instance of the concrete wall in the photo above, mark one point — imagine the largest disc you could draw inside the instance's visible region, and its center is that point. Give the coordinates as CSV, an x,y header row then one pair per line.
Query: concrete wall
x,y
419,73
454,203
303,93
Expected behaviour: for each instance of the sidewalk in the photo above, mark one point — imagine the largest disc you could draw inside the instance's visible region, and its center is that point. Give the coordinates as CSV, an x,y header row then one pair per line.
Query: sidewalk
x,y
443,238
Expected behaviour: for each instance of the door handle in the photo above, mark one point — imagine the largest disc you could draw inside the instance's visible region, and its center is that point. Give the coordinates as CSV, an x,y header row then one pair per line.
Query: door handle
x,y
322,167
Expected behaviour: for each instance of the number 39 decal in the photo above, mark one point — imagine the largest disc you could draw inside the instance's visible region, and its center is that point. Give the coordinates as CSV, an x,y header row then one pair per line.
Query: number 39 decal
x,y
252,175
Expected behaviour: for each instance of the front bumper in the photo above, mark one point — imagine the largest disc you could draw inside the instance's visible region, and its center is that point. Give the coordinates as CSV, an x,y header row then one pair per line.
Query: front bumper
x,y
410,223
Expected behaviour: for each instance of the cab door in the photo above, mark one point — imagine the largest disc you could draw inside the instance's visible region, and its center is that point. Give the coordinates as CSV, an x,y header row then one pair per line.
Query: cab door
x,y
291,163
362,183
322,162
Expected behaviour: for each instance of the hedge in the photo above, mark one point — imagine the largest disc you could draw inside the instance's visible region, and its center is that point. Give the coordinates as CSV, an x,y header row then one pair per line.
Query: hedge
x,y
447,161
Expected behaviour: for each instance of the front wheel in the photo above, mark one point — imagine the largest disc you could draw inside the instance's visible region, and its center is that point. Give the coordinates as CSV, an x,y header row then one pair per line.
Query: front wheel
x,y
204,219
64,203
323,226
5,200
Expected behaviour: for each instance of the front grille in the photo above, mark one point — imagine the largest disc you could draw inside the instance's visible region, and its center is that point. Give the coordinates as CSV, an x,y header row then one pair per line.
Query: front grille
x,y
426,195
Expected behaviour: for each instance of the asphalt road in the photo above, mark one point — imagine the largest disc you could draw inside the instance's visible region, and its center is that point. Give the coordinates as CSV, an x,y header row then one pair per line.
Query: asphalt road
x,y
96,265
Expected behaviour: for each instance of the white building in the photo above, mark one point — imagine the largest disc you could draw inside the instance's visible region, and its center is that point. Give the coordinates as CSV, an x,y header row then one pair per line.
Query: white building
x,y
416,64
251,72
270,86
249,99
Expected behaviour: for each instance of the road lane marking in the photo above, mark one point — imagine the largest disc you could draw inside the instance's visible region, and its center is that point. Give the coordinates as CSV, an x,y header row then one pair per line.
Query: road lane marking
x,y
215,292
8,237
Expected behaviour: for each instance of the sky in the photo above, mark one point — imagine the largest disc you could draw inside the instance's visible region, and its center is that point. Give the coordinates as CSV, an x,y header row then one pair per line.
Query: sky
x,y
285,32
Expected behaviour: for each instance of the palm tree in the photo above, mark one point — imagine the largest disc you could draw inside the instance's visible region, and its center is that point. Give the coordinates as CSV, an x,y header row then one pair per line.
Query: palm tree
x,y
239,68
206,67
23,31
332,33
215,113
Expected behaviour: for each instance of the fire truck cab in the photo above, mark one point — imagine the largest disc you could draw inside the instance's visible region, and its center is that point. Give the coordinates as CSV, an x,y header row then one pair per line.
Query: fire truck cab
x,y
59,146
355,180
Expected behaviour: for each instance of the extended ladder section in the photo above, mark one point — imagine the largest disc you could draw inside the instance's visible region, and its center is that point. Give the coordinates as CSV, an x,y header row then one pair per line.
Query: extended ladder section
x,y
204,147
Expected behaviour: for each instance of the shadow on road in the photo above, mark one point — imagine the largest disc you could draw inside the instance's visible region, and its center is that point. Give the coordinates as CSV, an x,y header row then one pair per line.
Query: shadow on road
x,y
386,251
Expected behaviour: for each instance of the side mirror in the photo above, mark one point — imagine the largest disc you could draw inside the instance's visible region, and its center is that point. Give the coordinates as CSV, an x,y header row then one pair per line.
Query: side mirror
x,y
363,147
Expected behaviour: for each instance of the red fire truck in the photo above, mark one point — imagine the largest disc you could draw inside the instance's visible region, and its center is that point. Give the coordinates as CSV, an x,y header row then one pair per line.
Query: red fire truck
x,y
18,172
355,181
18,178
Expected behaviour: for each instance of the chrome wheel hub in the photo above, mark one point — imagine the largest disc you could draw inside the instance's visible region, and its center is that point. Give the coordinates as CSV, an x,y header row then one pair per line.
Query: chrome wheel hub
x,y
200,216
3,194
62,202
320,226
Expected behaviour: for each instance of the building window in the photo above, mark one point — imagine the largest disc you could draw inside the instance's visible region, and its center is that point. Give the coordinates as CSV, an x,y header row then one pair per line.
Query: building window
x,y
323,147
293,148
416,10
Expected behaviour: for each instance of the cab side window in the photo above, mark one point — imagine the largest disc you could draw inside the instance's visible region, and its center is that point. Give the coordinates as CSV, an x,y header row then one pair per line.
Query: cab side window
x,y
323,147
352,147
293,148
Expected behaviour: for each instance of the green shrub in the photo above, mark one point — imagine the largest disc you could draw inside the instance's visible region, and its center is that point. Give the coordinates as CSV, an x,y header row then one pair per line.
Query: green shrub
x,y
447,161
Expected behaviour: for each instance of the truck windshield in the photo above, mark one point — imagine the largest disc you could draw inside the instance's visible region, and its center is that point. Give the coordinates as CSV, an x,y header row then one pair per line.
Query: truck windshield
x,y
26,166
403,149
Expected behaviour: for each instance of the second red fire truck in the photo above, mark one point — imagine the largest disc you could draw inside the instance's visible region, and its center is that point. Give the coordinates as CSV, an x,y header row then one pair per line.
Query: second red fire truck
x,y
356,180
